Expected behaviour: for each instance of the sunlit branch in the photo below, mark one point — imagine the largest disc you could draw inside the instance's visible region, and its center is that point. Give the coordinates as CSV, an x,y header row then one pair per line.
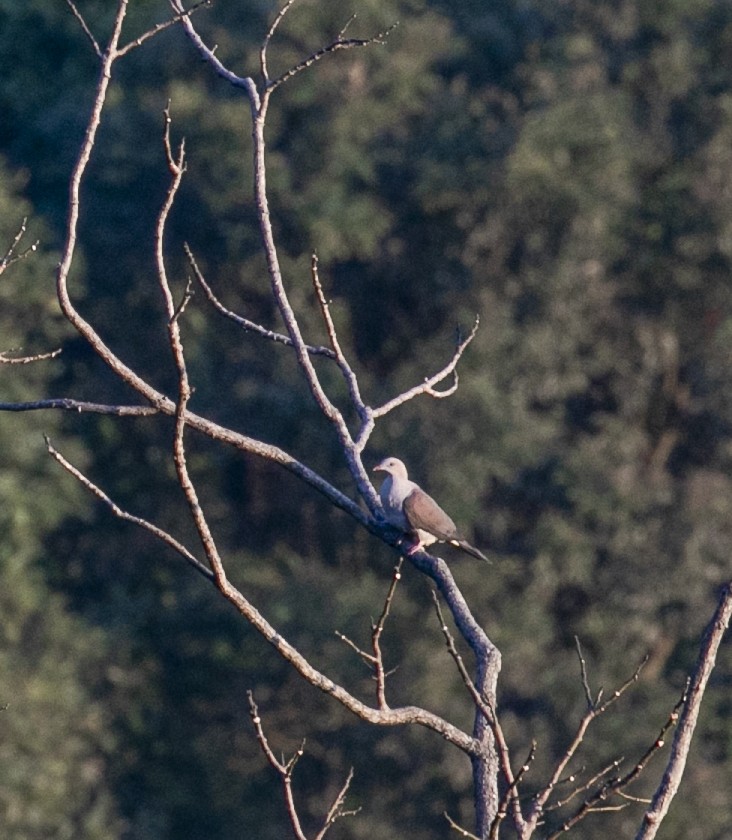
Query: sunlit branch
x,y
428,386
375,659
12,255
348,374
77,14
594,709
26,360
140,40
82,407
595,802
687,723
245,323
167,538
488,712
335,46
286,769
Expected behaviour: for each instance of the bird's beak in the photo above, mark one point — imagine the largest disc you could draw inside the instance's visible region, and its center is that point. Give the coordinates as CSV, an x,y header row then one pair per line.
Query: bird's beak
x,y
378,468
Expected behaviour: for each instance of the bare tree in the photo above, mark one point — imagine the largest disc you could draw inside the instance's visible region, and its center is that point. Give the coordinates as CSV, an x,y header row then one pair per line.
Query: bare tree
x,y
499,803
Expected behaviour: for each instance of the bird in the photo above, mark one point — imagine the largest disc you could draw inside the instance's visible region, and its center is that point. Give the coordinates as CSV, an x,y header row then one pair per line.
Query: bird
x,y
409,508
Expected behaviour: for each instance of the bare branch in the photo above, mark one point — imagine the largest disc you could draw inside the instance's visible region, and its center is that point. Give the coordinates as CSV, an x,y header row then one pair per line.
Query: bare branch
x,y
268,37
284,771
140,40
615,786
595,708
390,717
208,55
128,517
682,740
584,786
375,658
583,676
460,830
82,407
339,44
12,255
489,714
376,632
77,14
245,323
348,374
336,810
510,795
427,387
26,360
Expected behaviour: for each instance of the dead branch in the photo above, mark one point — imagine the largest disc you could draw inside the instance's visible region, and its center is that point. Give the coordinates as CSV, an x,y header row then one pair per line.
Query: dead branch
x,y
140,40
377,631
26,360
77,14
666,791
428,386
286,769
488,713
375,659
463,832
335,46
340,43
128,517
595,708
364,413
81,407
245,323
389,717
614,786
13,255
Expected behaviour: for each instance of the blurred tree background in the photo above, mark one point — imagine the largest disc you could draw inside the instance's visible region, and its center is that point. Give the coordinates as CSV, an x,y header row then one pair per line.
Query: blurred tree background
x,y
565,171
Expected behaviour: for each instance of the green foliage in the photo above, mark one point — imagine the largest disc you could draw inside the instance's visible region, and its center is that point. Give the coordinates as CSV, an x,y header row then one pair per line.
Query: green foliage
x,y
55,737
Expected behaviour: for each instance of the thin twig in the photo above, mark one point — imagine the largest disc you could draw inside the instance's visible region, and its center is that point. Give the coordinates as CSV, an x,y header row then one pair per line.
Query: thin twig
x,y
335,46
140,40
463,832
583,676
82,407
594,710
12,255
510,796
128,517
26,360
377,630
268,37
351,381
585,786
245,323
77,14
614,786
336,810
375,659
428,386
284,770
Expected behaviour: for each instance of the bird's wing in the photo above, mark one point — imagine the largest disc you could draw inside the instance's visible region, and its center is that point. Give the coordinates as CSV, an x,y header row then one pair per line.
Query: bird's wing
x,y
423,513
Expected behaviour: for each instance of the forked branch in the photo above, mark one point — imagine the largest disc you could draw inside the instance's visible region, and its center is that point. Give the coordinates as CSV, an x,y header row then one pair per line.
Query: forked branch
x,y
286,769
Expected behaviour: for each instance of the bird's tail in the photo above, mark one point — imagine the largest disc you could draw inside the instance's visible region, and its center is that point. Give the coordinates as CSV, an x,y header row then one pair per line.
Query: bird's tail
x,y
470,549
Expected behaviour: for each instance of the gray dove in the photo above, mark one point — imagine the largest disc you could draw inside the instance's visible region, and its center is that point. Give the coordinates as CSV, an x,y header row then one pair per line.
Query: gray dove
x,y
410,509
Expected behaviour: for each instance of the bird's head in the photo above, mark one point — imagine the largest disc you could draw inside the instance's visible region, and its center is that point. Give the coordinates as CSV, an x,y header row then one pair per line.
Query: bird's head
x,y
393,466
